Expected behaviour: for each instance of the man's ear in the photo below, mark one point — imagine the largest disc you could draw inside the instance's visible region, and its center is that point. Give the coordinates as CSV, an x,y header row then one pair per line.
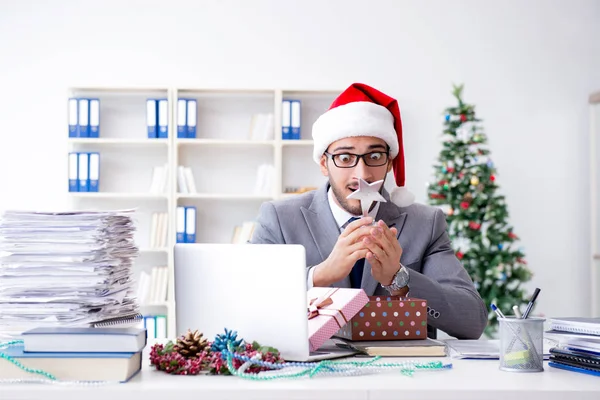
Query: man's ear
x,y
323,165
390,164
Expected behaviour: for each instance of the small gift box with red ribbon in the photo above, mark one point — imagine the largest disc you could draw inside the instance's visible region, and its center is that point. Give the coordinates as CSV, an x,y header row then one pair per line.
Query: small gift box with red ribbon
x,y
388,318
329,310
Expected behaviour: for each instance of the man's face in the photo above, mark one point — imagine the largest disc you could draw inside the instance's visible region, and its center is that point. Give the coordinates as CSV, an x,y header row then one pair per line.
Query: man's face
x,y
344,181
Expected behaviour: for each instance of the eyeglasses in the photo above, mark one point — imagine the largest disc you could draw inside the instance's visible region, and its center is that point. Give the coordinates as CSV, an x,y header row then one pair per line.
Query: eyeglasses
x,y
349,160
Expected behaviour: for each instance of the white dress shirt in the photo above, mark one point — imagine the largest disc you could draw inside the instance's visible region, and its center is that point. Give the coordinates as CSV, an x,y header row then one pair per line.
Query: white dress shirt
x,y
341,216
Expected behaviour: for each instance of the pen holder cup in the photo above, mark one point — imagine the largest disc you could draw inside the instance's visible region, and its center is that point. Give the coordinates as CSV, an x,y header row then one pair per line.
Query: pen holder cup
x,y
521,344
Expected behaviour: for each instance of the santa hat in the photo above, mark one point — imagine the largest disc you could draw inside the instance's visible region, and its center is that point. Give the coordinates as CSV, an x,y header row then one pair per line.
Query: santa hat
x,y
364,111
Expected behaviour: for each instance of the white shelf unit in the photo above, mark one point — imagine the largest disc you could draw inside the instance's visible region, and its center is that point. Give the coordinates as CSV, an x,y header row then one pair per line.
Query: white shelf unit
x,y
594,105
223,158
120,142
127,161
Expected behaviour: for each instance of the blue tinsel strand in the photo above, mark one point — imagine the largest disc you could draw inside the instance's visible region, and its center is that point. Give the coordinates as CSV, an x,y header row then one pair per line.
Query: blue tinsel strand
x,y
325,367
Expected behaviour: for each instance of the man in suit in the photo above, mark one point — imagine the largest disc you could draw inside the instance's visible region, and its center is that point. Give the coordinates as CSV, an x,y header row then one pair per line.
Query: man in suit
x,y
400,248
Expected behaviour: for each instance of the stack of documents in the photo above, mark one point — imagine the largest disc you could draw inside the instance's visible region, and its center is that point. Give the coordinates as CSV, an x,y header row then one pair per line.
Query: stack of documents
x,y
65,269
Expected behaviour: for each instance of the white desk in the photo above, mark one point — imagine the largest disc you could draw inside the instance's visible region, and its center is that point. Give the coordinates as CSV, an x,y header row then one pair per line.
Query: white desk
x,y
468,379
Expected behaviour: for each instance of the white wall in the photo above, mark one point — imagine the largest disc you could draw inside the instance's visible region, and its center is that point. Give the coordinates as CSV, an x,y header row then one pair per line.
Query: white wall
x,y
528,66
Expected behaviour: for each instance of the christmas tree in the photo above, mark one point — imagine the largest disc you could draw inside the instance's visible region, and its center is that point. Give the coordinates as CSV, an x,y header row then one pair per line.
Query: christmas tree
x,y
465,188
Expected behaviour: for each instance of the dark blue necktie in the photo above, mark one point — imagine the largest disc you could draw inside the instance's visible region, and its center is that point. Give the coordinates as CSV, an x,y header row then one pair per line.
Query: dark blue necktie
x,y
357,271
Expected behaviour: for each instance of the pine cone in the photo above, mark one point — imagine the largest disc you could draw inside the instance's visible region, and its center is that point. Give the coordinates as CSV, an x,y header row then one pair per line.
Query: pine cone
x,y
468,197
192,344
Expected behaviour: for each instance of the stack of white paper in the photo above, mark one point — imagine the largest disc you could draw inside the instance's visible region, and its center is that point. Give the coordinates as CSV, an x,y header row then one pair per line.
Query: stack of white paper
x,y
65,269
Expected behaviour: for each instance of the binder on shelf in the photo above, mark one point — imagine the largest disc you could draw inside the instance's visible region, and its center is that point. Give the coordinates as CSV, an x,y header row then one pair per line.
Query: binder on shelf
x,y
94,131
94,172
83,117
180,224
161,326
192,107
82,175
73,118
150,325
73,169
152,118
163,119
295,120
286,120
181,118
190,225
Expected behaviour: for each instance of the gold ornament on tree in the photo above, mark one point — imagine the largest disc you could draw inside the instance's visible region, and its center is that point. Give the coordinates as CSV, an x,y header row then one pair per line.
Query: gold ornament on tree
x,y
192,344
474,180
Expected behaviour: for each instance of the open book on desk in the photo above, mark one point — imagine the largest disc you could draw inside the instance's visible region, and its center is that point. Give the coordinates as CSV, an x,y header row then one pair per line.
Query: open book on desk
x,y
396,348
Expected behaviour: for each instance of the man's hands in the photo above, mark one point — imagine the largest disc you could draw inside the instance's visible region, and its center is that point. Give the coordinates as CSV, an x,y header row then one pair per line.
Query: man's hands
x,y
384,252
378,244
348,249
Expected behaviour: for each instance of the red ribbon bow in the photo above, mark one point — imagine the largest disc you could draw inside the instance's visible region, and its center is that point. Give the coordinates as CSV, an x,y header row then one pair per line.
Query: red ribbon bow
x,y
313,309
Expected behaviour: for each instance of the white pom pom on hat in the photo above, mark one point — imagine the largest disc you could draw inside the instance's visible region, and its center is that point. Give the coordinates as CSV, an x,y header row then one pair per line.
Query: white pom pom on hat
x,y
361,110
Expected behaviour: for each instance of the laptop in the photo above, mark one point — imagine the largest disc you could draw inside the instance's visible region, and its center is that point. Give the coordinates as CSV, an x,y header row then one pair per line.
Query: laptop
x,y
258,290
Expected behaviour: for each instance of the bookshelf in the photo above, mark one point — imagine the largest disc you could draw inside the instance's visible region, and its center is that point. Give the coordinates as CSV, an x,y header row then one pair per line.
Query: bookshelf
x,y
594,105
224,159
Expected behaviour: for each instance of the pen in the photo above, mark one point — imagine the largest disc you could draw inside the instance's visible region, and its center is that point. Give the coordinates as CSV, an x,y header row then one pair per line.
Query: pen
x,y
517,311
530,305
497,311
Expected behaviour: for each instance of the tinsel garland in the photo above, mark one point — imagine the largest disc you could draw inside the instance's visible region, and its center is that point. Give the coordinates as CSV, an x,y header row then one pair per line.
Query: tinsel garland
x,y
228,355
232,356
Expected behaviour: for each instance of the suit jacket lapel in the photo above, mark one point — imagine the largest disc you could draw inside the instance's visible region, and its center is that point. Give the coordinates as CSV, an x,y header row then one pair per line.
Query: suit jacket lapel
x,y
392,215
322,227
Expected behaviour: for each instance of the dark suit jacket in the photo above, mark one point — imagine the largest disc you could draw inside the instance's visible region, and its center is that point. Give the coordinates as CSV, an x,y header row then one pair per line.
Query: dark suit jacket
x,y
435,273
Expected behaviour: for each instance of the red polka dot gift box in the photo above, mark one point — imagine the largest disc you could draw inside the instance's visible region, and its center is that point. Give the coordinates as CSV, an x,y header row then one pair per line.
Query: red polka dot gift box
x,y
388,318
329,310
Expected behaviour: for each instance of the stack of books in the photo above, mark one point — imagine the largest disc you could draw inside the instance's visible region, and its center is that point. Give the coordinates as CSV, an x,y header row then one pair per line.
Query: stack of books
x,y
243,233
77,354
185,180
159,229
160,180
578,346
261,127
152,287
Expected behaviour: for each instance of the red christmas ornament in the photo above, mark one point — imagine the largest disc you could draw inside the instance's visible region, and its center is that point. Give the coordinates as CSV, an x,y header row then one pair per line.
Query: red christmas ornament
x,y
450,169
512,235
459,255
464,205
461,175
520,260
442,183
463,117
474,225
492,178
437,196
